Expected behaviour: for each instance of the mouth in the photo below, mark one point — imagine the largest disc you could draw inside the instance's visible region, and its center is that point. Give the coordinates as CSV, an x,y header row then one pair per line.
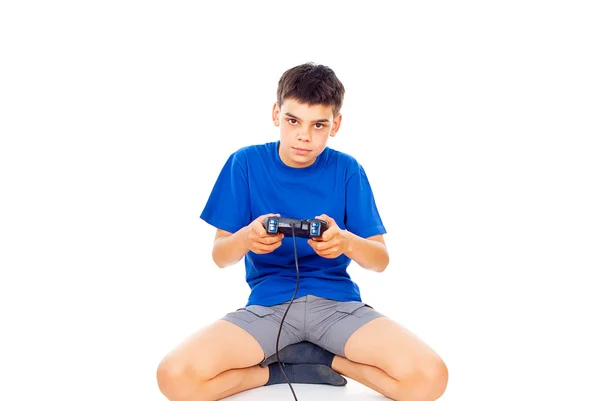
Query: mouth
x,y
300,150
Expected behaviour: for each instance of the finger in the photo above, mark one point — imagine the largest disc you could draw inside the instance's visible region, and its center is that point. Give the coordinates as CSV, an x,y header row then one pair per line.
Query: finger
x,y
257,231
271,239
262,218
268,248
323,246
260,222
330,252
329,234
261,238
261,232
326,245
328,219
313,244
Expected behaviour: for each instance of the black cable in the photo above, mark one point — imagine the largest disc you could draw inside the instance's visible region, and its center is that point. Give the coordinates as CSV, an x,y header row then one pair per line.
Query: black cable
x,y
286,311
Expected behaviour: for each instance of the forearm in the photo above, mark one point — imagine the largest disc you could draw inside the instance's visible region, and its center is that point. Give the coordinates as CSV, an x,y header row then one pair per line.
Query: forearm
x,y
230,249
368,253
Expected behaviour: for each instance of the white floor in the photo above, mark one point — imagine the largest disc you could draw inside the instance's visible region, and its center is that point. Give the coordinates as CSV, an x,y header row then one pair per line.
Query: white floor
x,y
353,391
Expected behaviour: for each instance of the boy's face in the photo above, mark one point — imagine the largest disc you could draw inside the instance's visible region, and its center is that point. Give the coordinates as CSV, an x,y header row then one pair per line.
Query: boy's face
x,y
304,131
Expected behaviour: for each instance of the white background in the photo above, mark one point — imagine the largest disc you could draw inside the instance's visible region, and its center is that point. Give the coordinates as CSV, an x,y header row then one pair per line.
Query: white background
x,y
477,124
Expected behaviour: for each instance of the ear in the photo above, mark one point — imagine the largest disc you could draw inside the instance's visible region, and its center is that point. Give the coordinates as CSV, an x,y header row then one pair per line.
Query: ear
x,y
337,121
276,113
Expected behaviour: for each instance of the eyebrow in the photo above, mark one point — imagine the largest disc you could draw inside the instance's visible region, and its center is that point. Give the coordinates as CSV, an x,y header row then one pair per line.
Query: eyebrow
x,y
322,120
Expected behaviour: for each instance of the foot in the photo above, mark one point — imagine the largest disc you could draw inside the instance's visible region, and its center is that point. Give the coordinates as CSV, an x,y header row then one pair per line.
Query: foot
x,y
305,373
300,353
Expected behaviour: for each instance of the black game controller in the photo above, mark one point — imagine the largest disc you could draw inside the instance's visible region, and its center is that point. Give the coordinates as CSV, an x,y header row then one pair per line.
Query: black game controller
x,y
308,228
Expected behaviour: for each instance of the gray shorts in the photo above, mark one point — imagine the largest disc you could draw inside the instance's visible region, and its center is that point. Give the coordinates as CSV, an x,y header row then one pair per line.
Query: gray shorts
x,y
323,322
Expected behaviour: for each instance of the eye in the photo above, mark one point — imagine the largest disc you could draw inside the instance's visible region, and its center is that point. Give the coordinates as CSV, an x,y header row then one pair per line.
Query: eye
x,y
292,121
319,125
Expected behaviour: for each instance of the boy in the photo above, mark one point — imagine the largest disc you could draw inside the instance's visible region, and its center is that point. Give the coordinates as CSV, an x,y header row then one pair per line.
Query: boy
x,y
328,330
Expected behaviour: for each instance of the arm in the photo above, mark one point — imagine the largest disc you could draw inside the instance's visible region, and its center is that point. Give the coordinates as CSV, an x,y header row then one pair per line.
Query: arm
x,y
370,253
228,248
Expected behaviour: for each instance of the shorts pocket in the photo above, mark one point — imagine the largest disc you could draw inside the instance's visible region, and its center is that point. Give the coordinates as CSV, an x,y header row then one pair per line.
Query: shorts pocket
x,y
349,307
253,312
260,311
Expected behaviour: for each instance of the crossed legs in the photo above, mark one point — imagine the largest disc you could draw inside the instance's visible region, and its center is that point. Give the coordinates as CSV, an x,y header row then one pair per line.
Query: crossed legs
x,y
222,359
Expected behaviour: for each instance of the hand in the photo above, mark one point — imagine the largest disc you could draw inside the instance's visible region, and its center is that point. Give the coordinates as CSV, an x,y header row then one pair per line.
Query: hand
x,y
258,240
333,241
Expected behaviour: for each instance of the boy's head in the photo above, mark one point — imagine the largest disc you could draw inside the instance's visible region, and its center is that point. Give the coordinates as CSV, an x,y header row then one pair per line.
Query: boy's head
x,y
309,100
312,84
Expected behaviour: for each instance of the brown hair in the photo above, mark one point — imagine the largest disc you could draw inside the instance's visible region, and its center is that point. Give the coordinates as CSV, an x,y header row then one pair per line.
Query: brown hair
x,y
313,84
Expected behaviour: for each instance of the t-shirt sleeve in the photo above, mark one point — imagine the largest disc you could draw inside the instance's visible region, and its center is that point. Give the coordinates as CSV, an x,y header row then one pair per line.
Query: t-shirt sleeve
x,y
228,206
362,217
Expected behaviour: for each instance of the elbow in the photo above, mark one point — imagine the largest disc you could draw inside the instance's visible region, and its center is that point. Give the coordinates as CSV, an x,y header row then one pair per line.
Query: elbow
x,y
220,264
217,255
379,266
222,261
218,261
384,265
385,261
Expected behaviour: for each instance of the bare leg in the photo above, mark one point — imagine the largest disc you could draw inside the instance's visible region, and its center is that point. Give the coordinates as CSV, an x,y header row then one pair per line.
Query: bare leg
x,y
217,361
235,381
388,358
370,376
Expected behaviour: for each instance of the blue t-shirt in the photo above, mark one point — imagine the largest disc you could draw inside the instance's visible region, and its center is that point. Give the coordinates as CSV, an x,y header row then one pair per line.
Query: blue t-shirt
x,y
254,181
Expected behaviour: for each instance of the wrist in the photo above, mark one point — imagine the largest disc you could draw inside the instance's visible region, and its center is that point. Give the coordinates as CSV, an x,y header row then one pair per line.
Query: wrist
x,y
348,240
244,234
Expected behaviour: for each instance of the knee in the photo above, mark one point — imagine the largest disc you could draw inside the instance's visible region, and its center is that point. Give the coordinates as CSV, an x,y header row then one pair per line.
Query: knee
x,y
435,376
177,380
425,381
169,377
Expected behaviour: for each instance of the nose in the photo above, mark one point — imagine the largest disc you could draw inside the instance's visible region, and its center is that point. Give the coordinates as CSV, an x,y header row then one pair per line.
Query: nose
x,y
303,135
